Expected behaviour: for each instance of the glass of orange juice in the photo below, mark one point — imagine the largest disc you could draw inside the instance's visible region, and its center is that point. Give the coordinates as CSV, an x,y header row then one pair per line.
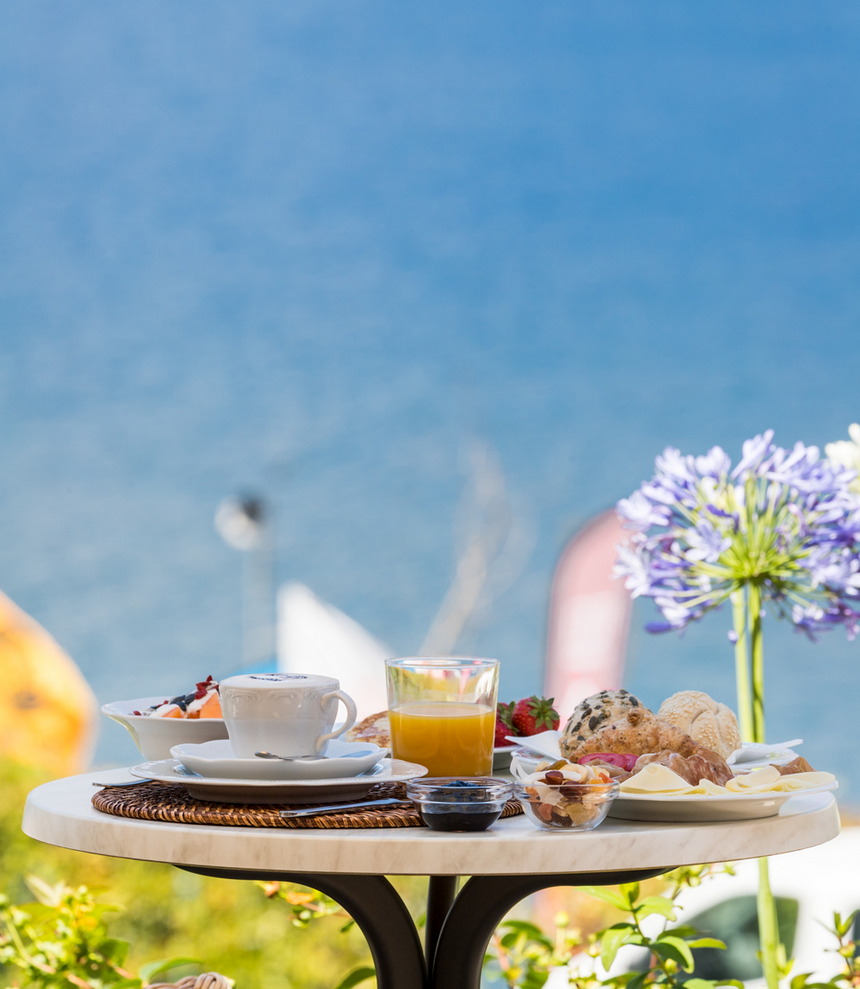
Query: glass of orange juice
x,y
442,713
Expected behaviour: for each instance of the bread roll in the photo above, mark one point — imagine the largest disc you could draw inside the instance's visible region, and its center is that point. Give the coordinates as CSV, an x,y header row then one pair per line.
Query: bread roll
x,y
705,720
594,713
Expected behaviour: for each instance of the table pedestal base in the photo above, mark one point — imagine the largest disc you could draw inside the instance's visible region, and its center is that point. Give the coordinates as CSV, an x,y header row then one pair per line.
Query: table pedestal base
x,y
459,925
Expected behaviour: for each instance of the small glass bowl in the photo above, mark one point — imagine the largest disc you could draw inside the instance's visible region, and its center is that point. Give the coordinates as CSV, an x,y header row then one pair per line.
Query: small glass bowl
x,y
566,806
459,803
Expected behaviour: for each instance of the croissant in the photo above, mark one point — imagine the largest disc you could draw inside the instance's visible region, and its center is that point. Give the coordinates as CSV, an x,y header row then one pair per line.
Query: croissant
x,y
637,731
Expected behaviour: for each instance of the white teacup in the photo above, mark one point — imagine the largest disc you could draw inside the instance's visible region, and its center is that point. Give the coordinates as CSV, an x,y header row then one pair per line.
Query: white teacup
x,y
290,714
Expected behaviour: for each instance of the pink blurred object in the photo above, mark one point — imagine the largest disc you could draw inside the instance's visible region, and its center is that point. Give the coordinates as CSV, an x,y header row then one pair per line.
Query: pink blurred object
x,y
589,616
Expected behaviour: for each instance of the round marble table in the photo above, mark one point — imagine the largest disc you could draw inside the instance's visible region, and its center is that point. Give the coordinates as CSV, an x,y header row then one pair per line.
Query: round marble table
x,y
506,864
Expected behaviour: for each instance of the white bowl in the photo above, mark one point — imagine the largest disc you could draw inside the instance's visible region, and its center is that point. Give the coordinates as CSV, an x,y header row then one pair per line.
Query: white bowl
x,y
155,737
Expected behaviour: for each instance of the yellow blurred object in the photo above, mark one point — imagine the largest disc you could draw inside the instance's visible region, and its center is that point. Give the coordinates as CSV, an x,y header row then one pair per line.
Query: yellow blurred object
x,y
47,710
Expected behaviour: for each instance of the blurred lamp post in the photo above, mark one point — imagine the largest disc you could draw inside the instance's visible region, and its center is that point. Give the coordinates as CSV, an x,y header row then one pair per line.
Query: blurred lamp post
x,y
245,523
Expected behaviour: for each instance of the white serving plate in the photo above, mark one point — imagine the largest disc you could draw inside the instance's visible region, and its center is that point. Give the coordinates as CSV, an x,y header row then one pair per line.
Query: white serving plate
x,y
216,759
286,792
691,808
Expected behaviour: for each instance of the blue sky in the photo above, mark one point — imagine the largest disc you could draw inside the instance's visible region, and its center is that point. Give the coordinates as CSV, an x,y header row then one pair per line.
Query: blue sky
x,y
315,250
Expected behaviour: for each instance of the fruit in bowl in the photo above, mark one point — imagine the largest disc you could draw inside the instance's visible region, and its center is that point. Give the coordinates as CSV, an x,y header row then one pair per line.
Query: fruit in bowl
x,y
157,723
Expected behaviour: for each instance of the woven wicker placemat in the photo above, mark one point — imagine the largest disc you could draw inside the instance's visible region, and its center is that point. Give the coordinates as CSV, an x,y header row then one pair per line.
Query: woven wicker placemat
x,y
172,802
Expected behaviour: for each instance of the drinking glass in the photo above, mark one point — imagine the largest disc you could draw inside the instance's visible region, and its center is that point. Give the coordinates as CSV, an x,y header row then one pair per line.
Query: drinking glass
x,y
442,713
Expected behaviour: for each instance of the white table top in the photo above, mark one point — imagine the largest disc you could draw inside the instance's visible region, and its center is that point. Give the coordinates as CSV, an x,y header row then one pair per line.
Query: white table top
x,y
61,813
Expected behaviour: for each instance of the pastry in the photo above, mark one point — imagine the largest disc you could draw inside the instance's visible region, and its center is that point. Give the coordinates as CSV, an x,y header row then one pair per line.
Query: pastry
x,y
705,720
375,728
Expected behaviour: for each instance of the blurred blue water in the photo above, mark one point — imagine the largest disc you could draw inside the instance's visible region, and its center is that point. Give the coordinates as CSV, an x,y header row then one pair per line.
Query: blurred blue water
x,y
314,250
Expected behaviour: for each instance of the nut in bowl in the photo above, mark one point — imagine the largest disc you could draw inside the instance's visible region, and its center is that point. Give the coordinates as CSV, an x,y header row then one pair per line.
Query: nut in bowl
x,y
469,803
571,799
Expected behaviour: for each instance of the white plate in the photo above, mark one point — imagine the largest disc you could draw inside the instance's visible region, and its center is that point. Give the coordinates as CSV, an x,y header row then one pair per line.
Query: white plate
x,y
285,792
216,759
691,808
545,743
754,755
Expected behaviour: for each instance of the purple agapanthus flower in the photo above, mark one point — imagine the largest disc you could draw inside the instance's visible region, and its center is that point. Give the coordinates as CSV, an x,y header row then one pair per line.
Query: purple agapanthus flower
x,y
786,521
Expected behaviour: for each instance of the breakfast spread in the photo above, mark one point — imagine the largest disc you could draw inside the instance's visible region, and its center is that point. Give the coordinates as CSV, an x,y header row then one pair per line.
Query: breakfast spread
x,y
612,746
203,702
682,749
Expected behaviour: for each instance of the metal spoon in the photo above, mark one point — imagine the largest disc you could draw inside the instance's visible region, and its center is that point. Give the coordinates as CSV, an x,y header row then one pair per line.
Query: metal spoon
x,y
298,758
286,758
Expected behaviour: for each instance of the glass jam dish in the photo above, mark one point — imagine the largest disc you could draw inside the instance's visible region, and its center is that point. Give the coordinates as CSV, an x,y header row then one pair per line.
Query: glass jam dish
x,y
553,801
462,803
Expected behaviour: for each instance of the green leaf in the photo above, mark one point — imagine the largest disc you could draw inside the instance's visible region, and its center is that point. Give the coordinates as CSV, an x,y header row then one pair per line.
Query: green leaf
x,y
669,946
356,976
609,896
534,979
707,942
661,905
149,971
611,940
631,891
524,926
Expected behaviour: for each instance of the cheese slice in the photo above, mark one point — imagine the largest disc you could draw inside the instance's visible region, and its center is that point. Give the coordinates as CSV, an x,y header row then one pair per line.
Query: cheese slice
x,y
804,781
655,778
761,780
709,789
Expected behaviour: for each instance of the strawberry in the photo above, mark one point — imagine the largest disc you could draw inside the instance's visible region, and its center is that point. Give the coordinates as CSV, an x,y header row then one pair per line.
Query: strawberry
x,y
533,715
504,725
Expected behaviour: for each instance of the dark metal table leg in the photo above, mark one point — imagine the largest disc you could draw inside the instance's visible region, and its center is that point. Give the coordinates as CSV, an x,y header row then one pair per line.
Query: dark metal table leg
x,y
376,906
441,893
479,909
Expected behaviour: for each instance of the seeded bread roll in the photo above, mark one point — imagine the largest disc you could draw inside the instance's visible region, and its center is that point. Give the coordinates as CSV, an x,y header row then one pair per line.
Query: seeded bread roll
x,y
594,713
705,720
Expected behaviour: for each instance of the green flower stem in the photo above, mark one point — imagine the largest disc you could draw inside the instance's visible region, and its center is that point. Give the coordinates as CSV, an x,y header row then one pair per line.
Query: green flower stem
x,y
756,661
742,665
768,927
749,669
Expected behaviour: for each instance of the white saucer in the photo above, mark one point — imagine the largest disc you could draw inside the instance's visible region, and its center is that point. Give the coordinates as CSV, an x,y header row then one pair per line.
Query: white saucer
x,y
284,792
216,759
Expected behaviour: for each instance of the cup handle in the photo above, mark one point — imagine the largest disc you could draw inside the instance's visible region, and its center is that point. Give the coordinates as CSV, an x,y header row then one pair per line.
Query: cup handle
x,y
351,715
